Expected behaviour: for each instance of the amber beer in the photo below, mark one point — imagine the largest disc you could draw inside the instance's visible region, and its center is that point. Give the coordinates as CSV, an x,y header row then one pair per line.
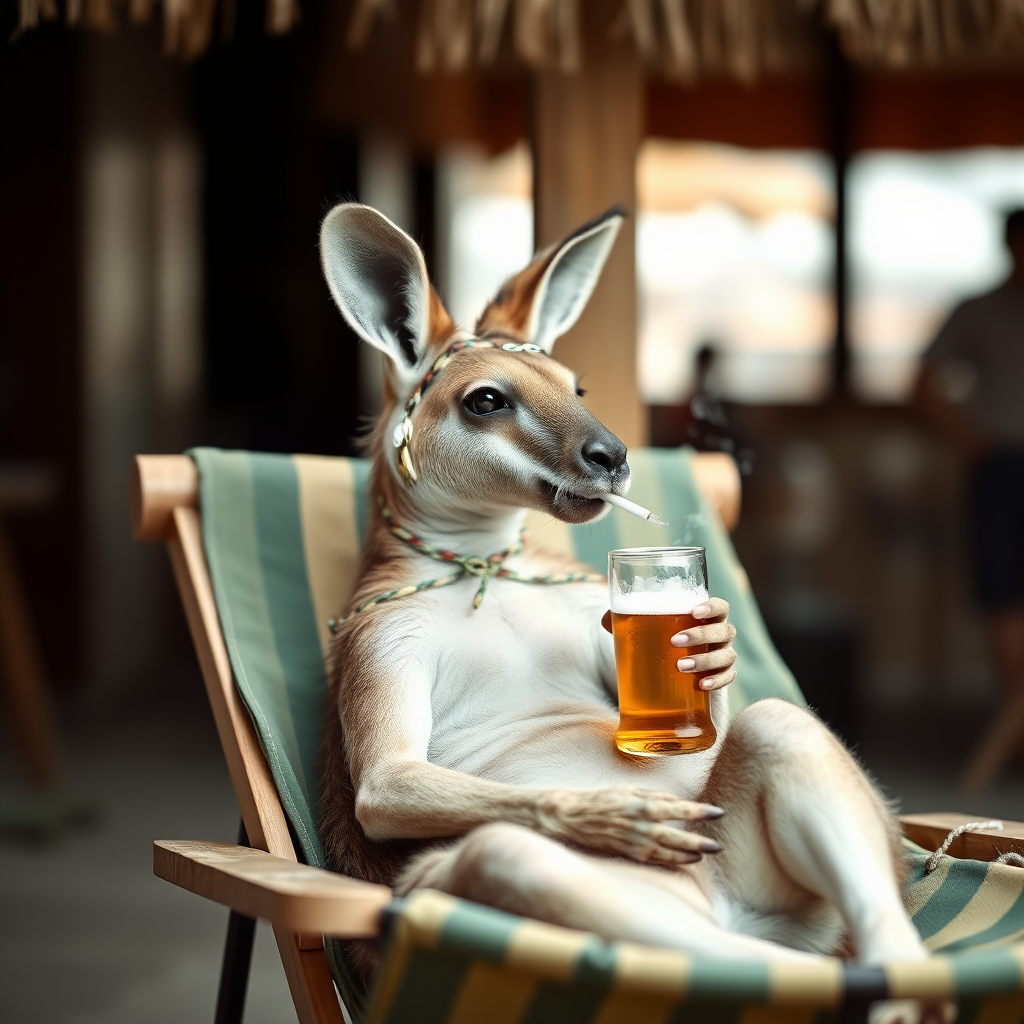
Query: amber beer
x,y
661,710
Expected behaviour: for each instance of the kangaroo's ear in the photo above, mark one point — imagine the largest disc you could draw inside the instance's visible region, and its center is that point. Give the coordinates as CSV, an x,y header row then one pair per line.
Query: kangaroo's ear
x,y
543,301
378,278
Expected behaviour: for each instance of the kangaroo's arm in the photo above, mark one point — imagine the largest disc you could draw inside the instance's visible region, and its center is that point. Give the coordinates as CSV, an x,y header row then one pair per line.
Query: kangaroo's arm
x,y
401,795
410,798
605,646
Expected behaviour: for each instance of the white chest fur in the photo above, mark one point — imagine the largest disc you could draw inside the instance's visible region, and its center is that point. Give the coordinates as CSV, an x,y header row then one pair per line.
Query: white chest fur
x,y
523,689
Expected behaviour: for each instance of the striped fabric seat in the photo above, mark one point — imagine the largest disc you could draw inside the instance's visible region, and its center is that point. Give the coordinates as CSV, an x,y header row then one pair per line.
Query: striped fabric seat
x,y
453,962
282,536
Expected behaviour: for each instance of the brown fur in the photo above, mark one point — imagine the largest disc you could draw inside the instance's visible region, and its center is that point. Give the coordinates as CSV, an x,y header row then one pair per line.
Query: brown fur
x,y
386,564
807,844
509,311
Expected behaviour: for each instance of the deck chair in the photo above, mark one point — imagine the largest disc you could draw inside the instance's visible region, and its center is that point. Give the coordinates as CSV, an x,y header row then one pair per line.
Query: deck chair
x,y
265,550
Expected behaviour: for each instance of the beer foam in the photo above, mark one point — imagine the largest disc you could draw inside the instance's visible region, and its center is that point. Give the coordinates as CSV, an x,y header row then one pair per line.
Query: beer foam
x,y
674,596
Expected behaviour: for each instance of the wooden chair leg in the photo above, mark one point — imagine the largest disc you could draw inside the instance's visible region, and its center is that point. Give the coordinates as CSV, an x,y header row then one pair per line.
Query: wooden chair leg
x,y
309,980
995,749
23,679
234,971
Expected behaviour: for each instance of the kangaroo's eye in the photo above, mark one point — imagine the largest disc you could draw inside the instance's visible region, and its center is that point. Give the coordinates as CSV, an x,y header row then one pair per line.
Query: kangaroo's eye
x,y
484,401
580,392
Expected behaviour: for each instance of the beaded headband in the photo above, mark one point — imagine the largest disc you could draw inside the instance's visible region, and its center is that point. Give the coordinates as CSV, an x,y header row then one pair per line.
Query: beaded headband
x,y
403,430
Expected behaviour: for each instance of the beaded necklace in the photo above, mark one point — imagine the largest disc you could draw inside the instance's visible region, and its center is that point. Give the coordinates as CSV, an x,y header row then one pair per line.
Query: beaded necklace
x,y
484,569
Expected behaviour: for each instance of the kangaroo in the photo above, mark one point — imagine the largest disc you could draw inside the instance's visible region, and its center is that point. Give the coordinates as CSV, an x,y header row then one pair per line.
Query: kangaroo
x,y
469,744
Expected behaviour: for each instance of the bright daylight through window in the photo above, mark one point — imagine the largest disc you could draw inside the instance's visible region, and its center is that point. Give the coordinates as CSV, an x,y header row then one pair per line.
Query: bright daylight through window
x,y
735,250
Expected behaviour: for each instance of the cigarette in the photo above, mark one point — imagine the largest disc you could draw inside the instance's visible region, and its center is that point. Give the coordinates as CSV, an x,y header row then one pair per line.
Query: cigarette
x,y
632,507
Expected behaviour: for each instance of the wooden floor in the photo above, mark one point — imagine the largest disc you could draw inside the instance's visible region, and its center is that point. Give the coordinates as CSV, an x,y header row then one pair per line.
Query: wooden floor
x,y
87,934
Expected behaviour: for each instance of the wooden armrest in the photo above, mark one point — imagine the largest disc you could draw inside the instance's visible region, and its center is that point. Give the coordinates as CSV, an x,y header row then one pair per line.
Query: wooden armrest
x,y
292,896
930,831
718,479
157,486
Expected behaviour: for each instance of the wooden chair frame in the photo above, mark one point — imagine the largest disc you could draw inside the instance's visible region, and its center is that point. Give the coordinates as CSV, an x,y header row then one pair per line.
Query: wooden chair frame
x,y
263,878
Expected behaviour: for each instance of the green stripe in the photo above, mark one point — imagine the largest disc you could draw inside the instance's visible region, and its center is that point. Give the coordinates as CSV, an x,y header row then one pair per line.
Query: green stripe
x,y
428,988
353,993
232,551
664,481
232,541
479,931
580,1002
290,606
592,541
985,973
761,672
964,879
1010,924
596,965
744,980
361,486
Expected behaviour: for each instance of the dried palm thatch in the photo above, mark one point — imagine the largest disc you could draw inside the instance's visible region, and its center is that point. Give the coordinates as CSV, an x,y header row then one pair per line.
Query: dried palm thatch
x,y
677,37
896,33
188,24
681,39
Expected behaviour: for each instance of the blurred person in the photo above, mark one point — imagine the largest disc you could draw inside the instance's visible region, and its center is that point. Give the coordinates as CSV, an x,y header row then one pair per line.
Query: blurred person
x,y
708,427
971,388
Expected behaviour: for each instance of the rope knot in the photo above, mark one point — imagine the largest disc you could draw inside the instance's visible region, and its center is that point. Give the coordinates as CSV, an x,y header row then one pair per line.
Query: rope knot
x,y
968,826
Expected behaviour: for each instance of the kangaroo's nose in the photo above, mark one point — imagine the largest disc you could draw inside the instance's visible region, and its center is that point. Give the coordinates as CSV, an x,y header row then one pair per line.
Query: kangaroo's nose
x,y
607,452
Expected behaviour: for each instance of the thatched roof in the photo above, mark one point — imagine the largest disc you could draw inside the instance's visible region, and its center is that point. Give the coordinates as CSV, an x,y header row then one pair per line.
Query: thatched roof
x,y
681,39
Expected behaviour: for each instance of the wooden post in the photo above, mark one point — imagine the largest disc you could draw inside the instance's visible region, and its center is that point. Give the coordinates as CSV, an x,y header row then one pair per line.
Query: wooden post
x,y
29,704
586,132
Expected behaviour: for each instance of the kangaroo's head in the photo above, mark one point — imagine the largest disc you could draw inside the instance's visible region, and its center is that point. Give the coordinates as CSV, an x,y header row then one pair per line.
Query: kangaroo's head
x,y
486,422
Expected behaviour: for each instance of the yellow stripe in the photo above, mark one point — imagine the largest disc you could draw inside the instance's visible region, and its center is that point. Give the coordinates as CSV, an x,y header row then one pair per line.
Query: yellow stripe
x,y
917,895
425,913
330,535
549,534
494,994
630,1007
817,985
662,971
1014,938
390,976
551,952
999,891
931,978
1007,1009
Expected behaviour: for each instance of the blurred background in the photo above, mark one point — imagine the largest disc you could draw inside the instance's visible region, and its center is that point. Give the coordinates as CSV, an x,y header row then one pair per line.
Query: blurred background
x,y
808,204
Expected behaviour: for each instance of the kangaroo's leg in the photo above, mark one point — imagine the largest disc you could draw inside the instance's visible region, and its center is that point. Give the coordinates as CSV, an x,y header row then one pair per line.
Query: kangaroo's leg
x,y
805,828
516,870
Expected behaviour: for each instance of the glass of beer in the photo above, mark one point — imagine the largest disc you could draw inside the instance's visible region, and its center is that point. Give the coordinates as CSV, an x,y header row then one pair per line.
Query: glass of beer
x,y
653,591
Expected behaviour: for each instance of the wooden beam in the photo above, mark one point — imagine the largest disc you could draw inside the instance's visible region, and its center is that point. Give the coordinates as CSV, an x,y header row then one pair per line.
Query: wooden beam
x,y
586,133
930,831
258,800
163,505
157,485
293,897
31,720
